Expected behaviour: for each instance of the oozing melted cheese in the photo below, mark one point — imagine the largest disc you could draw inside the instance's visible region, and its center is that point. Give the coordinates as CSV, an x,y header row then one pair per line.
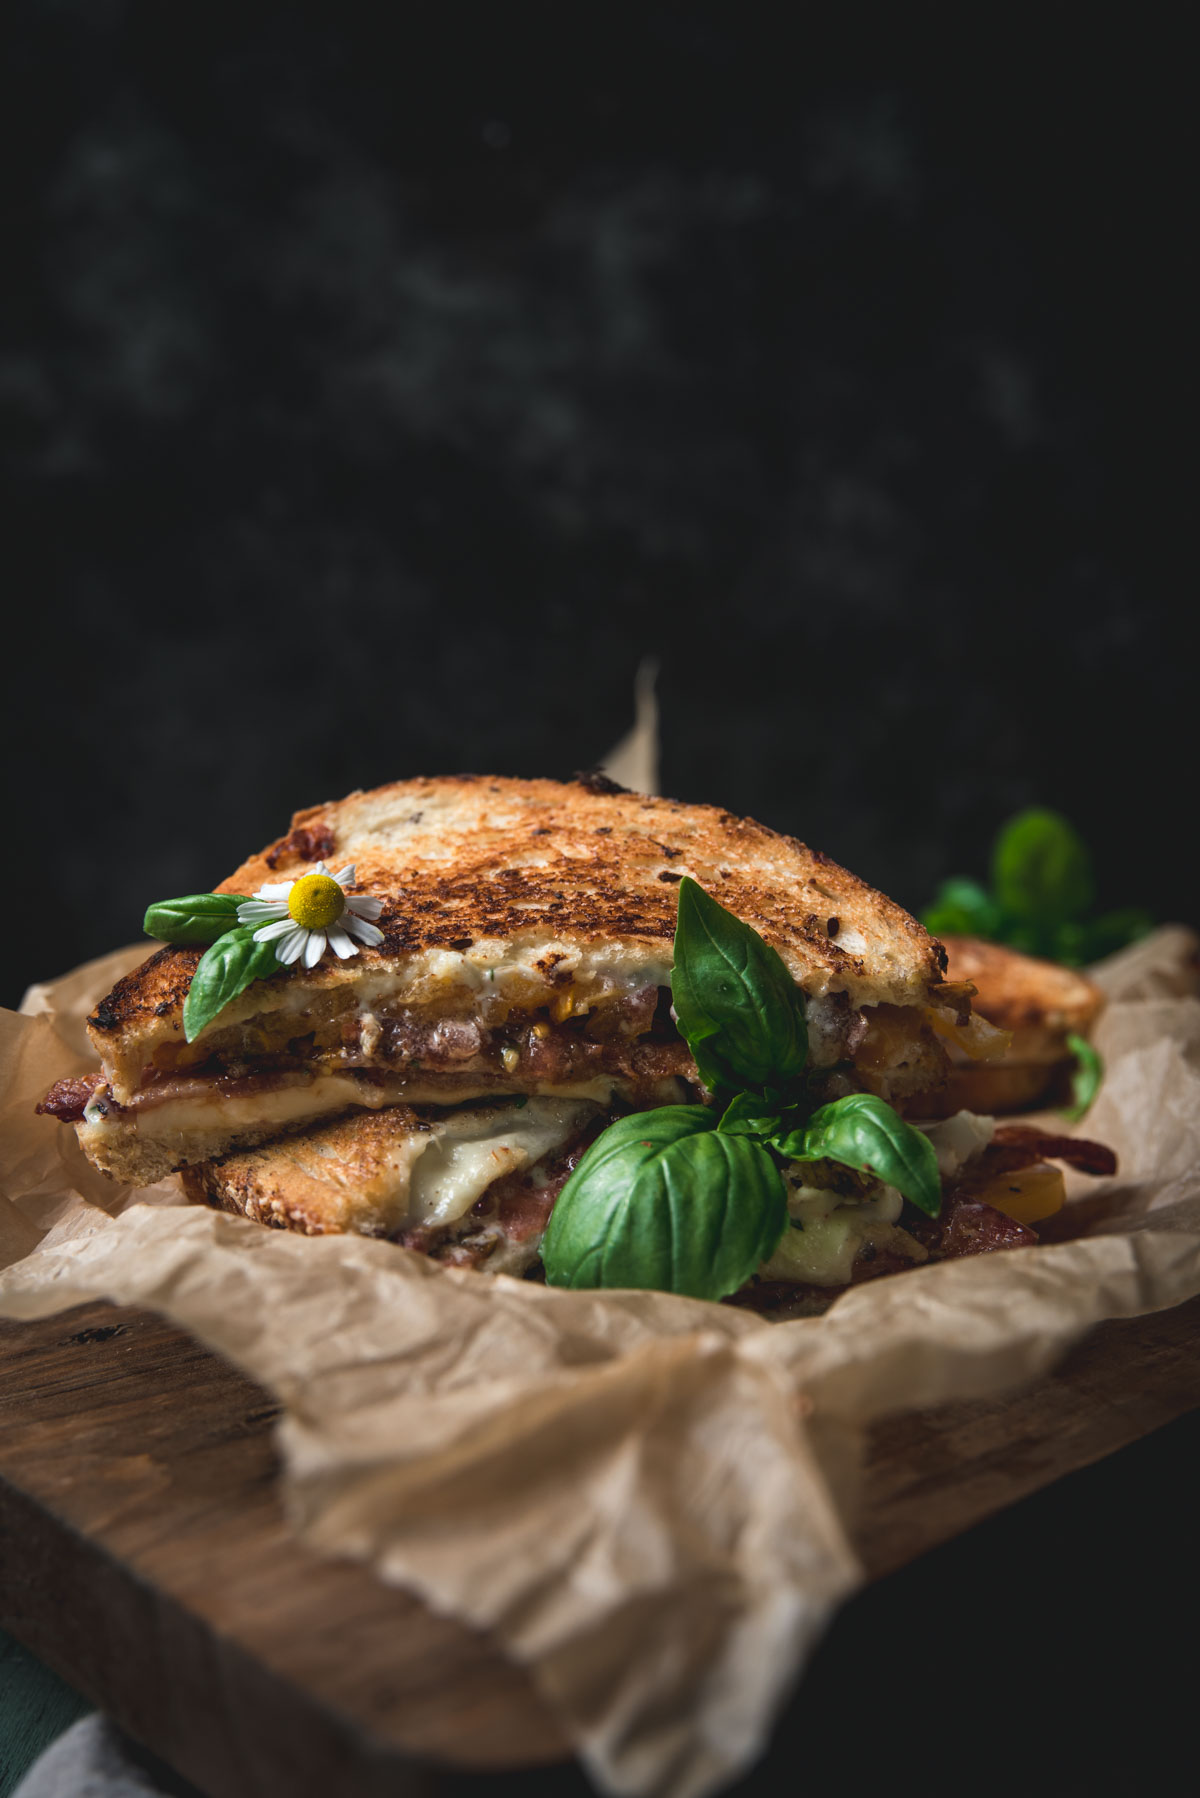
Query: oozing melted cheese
x,y
827,1233
463,1156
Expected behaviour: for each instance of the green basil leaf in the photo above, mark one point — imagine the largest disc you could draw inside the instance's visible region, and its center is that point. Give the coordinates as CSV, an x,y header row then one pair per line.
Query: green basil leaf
x,y
962,908
748,1115
199,918
1086,1076
738,1008
1041,870
664,1201
864,1132
225,970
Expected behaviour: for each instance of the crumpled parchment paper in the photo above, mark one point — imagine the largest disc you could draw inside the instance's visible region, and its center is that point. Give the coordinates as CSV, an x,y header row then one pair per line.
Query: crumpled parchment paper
x,y
646,1498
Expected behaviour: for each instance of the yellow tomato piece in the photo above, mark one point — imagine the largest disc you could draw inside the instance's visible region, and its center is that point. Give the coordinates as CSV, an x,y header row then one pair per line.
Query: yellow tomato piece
x,y
977,1038
1027,1195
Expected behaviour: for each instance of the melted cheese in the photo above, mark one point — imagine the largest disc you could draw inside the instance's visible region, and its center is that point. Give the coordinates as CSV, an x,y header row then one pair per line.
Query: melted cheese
x,y
827,1233
280,1106
959,1139
464,1155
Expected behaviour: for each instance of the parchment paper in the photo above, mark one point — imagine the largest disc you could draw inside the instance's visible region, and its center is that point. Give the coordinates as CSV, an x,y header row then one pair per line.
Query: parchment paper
x,y
647,1499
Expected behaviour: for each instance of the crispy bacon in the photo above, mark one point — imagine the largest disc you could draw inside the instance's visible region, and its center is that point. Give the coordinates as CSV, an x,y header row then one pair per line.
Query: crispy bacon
x,y
67,1098
1043,1145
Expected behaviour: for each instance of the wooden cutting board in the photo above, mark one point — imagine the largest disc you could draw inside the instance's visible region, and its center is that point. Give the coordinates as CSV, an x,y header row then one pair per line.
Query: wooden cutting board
x,y
144,1555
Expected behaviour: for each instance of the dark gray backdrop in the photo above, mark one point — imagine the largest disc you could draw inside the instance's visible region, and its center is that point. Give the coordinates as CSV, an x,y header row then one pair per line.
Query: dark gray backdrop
x,y
381,383
375,397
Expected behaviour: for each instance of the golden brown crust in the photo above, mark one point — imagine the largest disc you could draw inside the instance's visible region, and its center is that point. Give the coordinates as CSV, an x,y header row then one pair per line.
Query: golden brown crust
x,y
357,1174
463,858
1020,992
1040,1004
996,1088
321,1182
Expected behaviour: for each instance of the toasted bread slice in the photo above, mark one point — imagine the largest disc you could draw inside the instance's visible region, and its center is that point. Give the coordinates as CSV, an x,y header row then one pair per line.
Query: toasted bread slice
x,y
1039,1003
528,931
474,1185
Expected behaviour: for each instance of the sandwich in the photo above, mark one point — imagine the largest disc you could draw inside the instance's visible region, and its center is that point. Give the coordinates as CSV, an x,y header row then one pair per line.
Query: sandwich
x,y
565,1031
500,938
1047,1012
470,1185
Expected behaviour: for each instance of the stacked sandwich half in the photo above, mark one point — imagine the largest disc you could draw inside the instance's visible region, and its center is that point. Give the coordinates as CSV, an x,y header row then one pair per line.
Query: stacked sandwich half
x,y
435,1078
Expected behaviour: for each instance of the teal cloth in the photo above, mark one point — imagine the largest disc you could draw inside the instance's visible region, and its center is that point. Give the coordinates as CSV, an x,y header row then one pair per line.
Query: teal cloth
x,y
35,1708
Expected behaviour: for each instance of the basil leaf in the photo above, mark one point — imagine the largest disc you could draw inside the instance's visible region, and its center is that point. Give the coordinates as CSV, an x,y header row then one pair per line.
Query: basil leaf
x,y
739,1010
1041,870
962,908
1086,1076
748,1115
225,970
864,1132
663,1200
200,918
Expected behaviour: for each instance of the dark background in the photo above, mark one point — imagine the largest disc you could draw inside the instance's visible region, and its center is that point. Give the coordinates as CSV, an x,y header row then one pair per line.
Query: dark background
x,y
379,387
376,395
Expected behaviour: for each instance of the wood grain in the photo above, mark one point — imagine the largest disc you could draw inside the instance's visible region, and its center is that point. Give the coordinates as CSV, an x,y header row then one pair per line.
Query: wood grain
x,y
144,1555
932,1474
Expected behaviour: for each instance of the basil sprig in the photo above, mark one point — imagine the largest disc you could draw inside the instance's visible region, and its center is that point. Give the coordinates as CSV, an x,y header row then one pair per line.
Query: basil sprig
x,y
691,1198
198,918
665,1200
231,962
738,1008
1041,897
225,970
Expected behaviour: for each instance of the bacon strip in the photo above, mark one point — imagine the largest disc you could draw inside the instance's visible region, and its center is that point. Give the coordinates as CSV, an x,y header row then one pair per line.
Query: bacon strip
x,y
67,1098
1042,1145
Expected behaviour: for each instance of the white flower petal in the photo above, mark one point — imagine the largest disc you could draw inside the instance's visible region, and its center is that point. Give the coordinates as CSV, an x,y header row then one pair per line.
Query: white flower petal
x,y
322,869
340,943
363,907
289,949
358,927
346,877
260,911
278,889
269,932
314,949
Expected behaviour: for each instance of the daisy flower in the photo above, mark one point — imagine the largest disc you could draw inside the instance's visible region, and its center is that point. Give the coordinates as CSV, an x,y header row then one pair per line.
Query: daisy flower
x,y
301,916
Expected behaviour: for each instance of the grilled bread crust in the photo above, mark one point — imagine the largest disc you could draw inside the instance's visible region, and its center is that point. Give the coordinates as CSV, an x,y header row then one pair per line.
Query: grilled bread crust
x,y
354,1175
470,866
1040,1001
320,1183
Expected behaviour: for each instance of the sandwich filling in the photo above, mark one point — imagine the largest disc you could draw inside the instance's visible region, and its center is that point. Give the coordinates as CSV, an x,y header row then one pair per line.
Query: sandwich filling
x,y
475,1187
347,1048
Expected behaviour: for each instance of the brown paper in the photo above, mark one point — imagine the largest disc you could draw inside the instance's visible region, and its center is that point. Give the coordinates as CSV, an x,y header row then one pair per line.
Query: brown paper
x,y
646,1498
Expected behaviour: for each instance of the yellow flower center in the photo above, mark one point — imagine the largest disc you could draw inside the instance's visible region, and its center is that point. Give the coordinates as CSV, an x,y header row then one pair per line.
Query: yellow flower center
x,y
316,901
